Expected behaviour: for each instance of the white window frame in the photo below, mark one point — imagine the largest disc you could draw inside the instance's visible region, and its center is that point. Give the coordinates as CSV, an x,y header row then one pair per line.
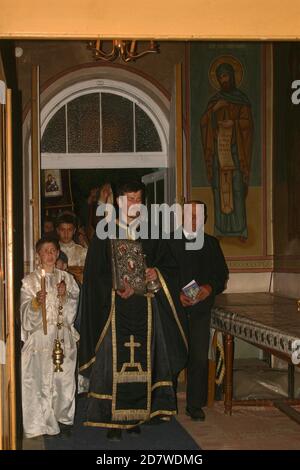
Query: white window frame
x,y
160,175
107,160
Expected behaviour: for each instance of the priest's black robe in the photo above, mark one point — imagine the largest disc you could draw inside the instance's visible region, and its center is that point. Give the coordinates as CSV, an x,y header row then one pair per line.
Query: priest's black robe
x,y
131,349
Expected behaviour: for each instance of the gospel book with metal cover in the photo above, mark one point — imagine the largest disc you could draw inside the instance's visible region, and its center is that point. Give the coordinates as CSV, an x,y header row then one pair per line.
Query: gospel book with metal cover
x,y
128,265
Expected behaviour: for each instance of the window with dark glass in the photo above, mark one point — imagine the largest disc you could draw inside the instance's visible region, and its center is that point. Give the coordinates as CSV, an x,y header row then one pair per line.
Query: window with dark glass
x,y
117,123
101,123
54,137
84,124
147,138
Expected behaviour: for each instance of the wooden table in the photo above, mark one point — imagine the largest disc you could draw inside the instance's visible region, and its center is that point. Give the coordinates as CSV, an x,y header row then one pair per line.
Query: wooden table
x,y
271,323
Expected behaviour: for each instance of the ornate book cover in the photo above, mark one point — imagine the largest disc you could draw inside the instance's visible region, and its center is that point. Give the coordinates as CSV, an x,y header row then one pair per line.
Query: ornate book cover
x,y
128,264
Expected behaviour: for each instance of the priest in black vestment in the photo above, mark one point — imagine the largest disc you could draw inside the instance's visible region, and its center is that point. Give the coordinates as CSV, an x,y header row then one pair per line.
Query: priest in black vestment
x,y
206,266
132,346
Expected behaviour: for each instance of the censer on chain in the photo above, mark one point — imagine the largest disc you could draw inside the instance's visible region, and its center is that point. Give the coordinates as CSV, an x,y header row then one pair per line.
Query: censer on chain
x,y
58,356
58,352
152,286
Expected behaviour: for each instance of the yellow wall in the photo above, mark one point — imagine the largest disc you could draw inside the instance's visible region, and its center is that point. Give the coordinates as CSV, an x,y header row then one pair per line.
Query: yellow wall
x,y
57,57
167,19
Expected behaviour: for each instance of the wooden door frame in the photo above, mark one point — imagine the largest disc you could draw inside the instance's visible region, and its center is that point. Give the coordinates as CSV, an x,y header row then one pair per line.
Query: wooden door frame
x,y
8,421
168,20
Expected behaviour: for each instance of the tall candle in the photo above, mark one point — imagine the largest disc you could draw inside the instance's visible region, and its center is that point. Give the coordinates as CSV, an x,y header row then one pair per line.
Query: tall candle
x,y
43,289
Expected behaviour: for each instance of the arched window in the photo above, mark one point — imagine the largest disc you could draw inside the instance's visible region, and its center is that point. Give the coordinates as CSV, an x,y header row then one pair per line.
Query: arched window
x,y
103,128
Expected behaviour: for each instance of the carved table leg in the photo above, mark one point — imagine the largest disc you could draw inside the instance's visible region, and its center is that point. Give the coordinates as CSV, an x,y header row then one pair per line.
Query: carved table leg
x,y
228,340
291,381
212,373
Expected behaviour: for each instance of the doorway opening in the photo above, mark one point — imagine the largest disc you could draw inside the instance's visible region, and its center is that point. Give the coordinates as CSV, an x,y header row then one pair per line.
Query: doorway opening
x,y
78,190
98,124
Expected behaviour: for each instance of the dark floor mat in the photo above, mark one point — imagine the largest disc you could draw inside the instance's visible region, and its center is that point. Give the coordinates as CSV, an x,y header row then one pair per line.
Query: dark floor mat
x,y
166,436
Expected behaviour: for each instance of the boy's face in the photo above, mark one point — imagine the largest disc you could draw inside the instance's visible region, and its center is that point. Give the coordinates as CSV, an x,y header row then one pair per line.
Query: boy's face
x,y
60,264
65,232
48,254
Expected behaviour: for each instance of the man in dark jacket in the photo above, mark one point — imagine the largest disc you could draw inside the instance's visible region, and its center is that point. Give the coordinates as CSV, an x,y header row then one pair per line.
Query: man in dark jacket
x,y
207,267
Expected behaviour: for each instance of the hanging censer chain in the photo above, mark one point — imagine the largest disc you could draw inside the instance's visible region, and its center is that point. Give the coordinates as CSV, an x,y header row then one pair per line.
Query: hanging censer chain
x,y
58,353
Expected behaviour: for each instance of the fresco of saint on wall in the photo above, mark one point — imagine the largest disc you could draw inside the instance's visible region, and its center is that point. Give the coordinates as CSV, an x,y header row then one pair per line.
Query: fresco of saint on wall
x,y
227,140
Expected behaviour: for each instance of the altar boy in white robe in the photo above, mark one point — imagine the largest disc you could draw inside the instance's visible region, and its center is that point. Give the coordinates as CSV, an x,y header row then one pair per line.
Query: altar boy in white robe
x,y
48,396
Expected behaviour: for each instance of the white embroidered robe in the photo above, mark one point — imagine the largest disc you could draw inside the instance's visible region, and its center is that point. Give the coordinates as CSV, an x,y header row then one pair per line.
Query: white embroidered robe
x,y
76,253
48,397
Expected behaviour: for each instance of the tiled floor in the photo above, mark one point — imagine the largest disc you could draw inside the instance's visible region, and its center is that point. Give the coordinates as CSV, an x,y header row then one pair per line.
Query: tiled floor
x,y
249,428
37,443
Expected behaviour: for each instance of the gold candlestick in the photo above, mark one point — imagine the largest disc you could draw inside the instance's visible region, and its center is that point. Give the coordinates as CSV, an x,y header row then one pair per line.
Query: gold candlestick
x,y
44,314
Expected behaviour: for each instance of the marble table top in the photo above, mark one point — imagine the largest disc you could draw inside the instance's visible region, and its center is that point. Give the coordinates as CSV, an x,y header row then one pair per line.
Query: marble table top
x,y
261,318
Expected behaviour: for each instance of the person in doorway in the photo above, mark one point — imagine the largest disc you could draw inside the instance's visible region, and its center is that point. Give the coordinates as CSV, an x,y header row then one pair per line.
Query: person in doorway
x,y
62,261
66,226
207,267
98,196
48,397
49,227
81,237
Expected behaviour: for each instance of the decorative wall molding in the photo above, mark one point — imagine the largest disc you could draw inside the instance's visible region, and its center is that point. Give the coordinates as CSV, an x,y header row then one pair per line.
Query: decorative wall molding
x,y
241,265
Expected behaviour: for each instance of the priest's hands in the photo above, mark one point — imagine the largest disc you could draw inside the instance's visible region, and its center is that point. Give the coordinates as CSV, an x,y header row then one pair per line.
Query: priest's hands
x,y
185,300
151,274
126,292
203,293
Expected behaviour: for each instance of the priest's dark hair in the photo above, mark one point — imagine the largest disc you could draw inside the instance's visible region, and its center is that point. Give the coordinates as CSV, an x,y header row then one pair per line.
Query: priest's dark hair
x,y
66,218
194,201
130,186
46,239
